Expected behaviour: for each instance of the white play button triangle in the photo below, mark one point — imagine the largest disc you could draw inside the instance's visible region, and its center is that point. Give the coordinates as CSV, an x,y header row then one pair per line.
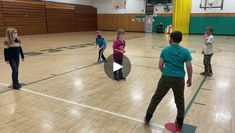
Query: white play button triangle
x,y
112,68
116,66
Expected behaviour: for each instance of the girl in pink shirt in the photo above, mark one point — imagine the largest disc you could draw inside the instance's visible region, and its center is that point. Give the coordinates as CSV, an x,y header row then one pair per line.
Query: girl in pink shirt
x,y
119,45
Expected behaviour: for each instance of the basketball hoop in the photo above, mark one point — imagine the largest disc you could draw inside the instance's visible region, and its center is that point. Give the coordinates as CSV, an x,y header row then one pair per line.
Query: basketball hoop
x,y
118,4
210,4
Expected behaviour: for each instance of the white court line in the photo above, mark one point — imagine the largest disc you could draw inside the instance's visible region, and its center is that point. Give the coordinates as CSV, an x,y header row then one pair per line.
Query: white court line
x,y
4,84
86,106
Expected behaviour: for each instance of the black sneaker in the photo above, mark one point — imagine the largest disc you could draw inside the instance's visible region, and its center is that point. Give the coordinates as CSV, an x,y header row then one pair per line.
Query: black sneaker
x,y
179,123
117,79
147,119
17,87
178,126
122,78
203,73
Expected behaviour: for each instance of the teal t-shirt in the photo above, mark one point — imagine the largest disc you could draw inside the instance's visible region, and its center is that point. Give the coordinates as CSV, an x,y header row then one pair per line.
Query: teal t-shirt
x,y
174,57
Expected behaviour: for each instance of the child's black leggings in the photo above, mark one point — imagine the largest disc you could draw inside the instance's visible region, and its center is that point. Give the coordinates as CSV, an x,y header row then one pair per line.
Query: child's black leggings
x,y
101,55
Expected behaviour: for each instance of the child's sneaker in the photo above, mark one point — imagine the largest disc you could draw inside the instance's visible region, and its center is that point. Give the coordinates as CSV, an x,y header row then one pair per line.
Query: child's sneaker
x,y
17,87
209,74
122,78
178,126
99,62
147,118
179,123
203,73
117,79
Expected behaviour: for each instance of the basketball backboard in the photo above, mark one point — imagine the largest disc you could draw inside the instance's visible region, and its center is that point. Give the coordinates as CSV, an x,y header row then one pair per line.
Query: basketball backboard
x,y
211,4
119,4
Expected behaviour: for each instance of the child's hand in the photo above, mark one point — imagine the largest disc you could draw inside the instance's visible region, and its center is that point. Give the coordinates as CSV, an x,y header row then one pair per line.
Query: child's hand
x,y
206,43
121,47
189,83
7,62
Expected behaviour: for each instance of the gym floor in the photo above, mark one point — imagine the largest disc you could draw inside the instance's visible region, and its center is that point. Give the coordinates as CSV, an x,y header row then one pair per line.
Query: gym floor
x,y
65,91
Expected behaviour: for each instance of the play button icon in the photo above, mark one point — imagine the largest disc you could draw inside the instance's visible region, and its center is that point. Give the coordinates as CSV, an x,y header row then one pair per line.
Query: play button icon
x,y
117,69
116,66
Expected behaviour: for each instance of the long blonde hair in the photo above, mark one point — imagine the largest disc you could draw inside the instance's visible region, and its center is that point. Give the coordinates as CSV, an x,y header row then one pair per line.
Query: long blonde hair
x,y
9,35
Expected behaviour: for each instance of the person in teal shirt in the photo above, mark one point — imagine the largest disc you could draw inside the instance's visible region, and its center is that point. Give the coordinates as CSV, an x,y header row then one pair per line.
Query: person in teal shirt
x,y
171,64
174,57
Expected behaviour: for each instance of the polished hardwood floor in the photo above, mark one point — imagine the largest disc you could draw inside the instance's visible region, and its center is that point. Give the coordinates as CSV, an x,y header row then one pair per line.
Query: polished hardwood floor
x,y
66,92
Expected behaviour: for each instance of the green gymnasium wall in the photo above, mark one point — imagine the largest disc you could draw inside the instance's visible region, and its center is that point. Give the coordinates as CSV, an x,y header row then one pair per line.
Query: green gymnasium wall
x,y
166,20
223,25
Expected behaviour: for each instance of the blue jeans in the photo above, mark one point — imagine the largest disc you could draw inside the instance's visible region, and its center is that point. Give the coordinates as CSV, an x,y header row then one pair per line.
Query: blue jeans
x,y
14,63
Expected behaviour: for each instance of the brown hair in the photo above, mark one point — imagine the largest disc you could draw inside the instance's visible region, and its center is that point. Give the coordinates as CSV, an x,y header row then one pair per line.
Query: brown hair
x,y
99,32
210,29
120,32
176,36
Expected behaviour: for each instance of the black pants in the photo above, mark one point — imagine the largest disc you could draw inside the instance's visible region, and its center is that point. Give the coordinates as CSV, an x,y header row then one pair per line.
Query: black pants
x,y
207,63
14,63
101,55
118,74
164,84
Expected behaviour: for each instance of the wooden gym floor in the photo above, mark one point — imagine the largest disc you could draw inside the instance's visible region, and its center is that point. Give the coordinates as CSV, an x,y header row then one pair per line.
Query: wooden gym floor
x,y
65,91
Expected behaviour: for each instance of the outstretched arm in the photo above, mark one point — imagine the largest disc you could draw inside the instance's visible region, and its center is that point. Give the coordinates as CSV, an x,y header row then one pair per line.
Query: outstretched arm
x,y
190,73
